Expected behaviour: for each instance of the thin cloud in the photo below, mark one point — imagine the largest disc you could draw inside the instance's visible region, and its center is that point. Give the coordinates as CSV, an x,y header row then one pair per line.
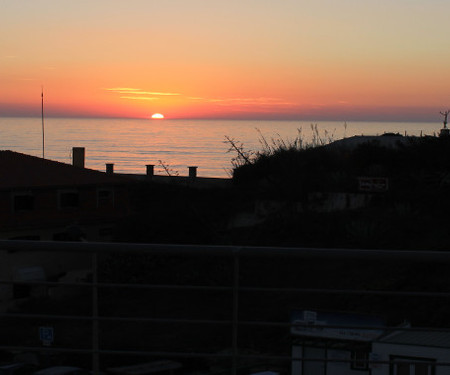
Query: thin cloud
x,y
261,101
139,94
119,89
138,98
133,91
160,93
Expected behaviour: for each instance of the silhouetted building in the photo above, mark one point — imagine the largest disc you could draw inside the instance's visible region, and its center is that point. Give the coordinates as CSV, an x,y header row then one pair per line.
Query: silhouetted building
x,y
46,200
42,199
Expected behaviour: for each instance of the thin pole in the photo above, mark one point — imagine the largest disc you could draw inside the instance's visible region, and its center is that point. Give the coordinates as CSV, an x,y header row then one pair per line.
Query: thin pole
x,y
234,344
95,330
42,116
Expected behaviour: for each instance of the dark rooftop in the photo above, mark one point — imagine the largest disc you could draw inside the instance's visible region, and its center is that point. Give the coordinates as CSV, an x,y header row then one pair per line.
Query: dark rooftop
x,y
419,338
19,170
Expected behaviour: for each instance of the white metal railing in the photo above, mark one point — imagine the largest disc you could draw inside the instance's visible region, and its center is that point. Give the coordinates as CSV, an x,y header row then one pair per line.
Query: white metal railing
x,y
235,323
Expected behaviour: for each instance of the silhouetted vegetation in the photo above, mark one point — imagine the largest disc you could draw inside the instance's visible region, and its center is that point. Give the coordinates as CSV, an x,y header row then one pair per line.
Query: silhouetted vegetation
x,y
297,179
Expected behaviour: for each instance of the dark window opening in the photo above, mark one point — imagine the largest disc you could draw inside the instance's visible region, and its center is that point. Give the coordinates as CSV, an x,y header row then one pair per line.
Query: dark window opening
x,y
23,202
360,360
69,199
411,366
105,198
21,291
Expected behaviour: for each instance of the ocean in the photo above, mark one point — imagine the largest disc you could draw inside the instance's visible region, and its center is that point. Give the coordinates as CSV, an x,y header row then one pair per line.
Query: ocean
x,y
130,144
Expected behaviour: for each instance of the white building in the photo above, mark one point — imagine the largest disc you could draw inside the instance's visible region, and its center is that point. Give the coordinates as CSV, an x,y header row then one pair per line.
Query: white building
x,y
330,343
412,353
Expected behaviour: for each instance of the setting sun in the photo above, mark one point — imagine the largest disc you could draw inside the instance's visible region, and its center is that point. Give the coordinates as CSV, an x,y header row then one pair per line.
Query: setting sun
x,y
289,60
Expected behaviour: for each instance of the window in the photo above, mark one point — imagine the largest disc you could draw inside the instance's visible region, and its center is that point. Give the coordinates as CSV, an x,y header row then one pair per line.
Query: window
x,y
411,366
23,202
360,360
68,199
21,291
105,197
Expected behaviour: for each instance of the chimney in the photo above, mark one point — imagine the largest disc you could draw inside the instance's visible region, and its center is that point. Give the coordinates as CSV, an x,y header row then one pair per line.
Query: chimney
x,y
150,170
192,172
109,168
78,157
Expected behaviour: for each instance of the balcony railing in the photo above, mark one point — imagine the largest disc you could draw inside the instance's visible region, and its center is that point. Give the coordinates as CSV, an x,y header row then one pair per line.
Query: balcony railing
x,y
211,309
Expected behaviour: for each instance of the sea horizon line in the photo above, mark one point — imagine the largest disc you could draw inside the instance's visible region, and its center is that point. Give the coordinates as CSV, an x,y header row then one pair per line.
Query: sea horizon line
x,y
343,121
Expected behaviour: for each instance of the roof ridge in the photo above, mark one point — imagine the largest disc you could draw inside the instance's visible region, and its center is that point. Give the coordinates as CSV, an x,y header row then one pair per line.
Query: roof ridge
x,y
25,170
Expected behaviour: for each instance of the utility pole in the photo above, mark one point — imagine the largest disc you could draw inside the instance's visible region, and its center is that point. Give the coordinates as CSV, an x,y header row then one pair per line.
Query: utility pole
x,y
42,117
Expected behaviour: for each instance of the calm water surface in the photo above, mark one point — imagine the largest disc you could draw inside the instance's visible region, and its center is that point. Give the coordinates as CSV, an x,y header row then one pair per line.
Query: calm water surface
x,y
132,143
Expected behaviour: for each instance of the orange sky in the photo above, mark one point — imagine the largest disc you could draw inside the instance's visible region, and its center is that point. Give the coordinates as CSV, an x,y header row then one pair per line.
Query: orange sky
x,y
290,59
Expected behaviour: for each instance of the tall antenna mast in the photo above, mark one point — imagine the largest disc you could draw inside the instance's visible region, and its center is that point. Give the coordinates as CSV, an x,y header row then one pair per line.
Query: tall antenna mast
x,y
445,132
445,114
42,116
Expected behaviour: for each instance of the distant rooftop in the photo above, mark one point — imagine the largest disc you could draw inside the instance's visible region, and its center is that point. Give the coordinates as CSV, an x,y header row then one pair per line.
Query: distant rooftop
x,y
419,338
19,170
387,140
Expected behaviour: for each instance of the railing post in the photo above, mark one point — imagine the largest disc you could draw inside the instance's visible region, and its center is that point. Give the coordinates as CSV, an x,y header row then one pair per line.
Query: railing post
x,y
235,311
95,334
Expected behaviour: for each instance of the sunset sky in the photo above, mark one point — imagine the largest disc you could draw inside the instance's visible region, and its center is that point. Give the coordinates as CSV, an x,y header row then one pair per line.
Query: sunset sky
x,y
243,59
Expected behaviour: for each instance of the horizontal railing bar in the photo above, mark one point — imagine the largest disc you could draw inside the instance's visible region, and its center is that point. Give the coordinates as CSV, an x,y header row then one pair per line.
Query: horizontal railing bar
x,y
119,352
84,284
166,320
168,354
337,360
221,322
374,328
168,249
113,318
348,292
230,288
